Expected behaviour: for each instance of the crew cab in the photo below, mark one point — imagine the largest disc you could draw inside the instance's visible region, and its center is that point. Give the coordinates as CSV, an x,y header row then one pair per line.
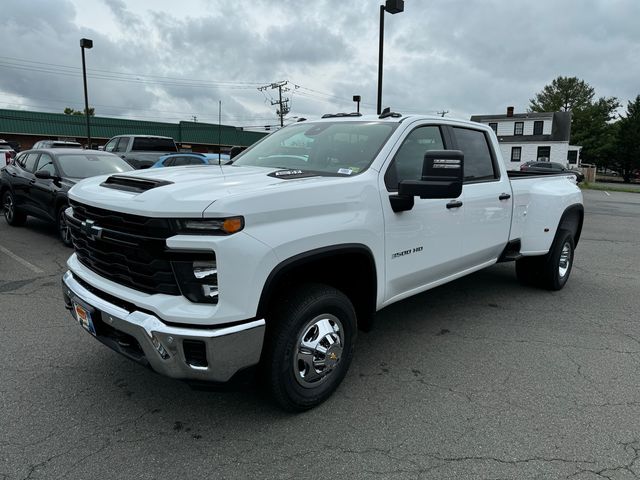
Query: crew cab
x,y
140,151
277,259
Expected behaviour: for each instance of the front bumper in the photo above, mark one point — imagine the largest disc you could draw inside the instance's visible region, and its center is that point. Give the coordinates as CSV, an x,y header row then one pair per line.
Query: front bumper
x,y
212,355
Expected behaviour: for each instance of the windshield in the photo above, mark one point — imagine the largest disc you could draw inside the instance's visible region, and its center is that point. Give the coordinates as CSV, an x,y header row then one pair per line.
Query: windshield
x,y
337,148
89,165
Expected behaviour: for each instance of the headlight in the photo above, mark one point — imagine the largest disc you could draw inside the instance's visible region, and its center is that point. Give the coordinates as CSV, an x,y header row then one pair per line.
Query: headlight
x,y
198,279
211,226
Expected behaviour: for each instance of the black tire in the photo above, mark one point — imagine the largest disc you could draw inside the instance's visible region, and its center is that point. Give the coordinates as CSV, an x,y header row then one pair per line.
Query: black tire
x,y
61,225
558,262
289,357
12,215
547,271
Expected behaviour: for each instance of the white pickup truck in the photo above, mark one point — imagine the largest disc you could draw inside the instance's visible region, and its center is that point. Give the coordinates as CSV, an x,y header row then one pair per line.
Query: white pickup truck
x,y
277,259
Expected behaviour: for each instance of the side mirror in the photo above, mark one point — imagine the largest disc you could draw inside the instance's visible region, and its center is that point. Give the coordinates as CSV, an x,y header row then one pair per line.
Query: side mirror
x,y
442,176
44,175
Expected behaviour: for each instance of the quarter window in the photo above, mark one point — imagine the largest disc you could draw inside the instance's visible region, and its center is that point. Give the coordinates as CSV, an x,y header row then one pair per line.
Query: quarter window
x,y
408,161
478,162
516,154
518,128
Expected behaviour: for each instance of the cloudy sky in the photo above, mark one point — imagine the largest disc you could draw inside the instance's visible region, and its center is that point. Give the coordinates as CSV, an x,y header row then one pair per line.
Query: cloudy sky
x,y
172,60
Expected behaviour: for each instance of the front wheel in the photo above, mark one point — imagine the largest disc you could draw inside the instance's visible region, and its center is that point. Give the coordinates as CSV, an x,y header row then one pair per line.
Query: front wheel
x,y
63,227
309,346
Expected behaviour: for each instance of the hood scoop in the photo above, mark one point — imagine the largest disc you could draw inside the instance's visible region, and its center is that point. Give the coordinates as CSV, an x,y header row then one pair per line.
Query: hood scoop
x,y
133,184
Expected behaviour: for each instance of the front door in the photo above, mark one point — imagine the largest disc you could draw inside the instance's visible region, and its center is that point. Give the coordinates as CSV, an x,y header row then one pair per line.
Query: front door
x,y
422,245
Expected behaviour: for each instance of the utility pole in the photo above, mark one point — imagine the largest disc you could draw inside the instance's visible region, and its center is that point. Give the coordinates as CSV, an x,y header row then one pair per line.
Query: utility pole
x,y
443,113
283,103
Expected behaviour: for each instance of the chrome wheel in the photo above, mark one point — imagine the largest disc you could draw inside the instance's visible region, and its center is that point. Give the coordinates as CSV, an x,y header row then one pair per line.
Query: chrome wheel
x,y
565,260
8,207
319,349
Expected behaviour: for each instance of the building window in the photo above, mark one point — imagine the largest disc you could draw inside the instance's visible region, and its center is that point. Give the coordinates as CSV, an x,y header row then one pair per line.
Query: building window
x,y
538,125
572,157
516,154
518,128
494,126
544,154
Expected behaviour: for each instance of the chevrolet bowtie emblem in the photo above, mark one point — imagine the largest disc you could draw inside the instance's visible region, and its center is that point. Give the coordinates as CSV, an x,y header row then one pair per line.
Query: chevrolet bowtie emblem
x,y
333,356
90,230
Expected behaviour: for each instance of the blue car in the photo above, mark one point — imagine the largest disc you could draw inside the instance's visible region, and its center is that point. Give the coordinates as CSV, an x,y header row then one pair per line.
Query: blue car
x,y
190,158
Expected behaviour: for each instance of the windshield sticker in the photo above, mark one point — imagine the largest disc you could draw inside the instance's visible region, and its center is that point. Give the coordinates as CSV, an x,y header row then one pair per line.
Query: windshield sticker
x,y
345,171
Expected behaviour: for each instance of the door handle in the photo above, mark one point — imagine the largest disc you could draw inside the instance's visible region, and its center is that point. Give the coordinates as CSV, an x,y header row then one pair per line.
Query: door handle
x,y
504,196
454,204
32,181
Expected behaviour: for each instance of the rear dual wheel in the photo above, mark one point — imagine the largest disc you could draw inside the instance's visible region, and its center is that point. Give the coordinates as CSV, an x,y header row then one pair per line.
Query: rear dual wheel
x,y
550,271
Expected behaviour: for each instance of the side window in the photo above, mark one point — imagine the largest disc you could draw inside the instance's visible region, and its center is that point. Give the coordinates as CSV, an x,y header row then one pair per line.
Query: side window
x,y
478,163
123,143
169,162
408,161
45,164
30,162
109,147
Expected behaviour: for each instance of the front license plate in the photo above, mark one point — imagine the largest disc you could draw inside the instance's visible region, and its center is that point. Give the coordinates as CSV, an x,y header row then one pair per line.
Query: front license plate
x,y
84,318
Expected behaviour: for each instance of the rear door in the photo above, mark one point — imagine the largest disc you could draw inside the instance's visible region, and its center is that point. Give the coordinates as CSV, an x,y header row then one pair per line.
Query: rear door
x,y
422,245
487,199
23,181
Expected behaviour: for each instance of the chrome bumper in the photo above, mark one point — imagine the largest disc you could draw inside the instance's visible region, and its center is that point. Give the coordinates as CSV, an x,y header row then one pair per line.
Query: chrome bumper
x,y
169,350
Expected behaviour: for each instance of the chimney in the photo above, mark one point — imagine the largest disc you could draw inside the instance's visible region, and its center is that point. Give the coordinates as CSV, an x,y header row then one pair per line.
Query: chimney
x,y
509,111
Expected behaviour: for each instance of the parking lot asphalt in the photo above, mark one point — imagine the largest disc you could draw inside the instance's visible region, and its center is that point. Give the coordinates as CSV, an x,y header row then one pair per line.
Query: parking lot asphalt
x,y
480,378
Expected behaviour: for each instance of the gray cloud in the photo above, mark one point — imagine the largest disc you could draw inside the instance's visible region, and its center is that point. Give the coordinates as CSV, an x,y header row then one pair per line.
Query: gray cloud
x,y
466,56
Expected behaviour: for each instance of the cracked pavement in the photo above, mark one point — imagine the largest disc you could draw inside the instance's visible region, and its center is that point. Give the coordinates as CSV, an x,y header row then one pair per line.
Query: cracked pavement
x,y
481,379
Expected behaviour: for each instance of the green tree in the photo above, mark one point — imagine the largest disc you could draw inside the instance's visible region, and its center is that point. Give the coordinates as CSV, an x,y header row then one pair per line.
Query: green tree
x,y
628,139
591,120
563,94
592,128
71,111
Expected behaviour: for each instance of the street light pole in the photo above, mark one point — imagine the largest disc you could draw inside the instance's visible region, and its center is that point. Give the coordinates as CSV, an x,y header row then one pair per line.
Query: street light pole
x,y
393,7
86,43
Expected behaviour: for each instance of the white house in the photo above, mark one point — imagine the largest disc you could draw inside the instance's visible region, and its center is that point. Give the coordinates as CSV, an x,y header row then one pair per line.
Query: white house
x,y
530,137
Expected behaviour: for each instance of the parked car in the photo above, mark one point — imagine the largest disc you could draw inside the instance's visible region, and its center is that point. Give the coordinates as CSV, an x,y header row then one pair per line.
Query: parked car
x,y
36,183
550,167
7,153
140,151
191,158
56,144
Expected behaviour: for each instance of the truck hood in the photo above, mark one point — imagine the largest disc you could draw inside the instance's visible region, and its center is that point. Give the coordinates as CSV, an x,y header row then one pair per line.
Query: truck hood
x,y
184,191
